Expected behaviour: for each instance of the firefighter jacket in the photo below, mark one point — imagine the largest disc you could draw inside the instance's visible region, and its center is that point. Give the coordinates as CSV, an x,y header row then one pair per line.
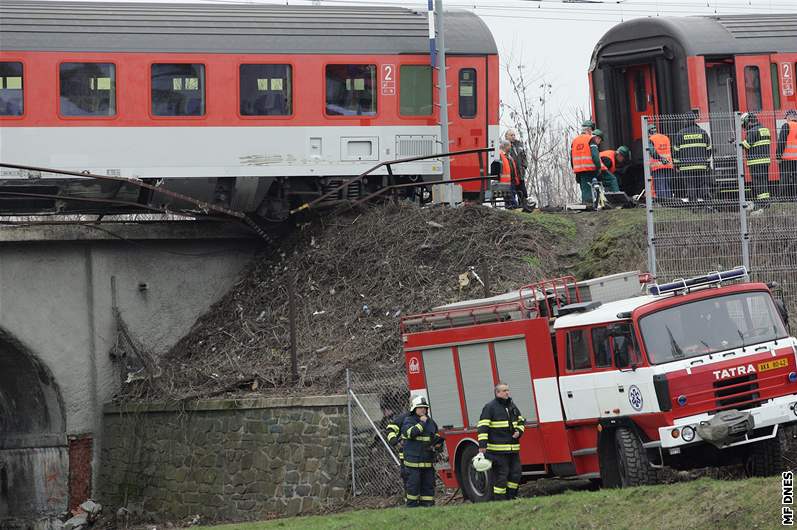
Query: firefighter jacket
x,y
500,419
692,149
419,441
757,144
394,432
787,141
660,152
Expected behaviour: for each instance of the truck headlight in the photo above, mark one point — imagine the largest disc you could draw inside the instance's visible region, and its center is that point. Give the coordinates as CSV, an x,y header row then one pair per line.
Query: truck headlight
x,y
687,434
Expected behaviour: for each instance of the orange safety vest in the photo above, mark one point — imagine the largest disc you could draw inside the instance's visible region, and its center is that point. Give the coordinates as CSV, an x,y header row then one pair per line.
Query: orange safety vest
x,y
790,152
507,164
582,157
611,155
661,143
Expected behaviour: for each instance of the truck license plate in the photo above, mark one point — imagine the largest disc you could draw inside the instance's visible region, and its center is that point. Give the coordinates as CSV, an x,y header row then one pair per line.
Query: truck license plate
x,y
773,365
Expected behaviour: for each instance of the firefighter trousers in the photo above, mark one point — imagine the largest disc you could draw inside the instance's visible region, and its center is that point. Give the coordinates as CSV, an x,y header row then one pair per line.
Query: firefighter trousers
x,y
759,173
506,474
420,486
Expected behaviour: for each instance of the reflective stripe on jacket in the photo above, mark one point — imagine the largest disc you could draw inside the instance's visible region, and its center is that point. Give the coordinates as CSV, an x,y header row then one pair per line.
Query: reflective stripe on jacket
x,y
497,423
581,155
611,154
508,169
419,437
758,144
790,151
691,148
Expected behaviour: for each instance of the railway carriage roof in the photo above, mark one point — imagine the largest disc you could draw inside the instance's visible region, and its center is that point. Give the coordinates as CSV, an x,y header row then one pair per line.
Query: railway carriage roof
x,y
714,35
232,28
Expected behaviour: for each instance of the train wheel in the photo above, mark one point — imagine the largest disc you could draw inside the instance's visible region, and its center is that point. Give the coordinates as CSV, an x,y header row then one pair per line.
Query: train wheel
x,y
476,486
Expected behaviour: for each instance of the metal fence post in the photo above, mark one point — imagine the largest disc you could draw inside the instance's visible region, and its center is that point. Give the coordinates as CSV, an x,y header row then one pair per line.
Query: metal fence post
x,y
745,235
351,431
648,198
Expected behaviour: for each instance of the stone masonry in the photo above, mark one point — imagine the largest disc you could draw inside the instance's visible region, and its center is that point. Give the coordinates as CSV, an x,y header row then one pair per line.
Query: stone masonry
x,y
226,459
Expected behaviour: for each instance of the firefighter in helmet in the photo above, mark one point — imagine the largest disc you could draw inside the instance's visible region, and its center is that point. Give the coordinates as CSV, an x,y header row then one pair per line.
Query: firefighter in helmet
x,y
757,144
420,441
499,430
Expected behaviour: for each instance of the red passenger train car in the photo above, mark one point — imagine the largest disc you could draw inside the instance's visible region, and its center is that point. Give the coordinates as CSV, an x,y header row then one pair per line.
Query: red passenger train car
x,y
254,107
672,65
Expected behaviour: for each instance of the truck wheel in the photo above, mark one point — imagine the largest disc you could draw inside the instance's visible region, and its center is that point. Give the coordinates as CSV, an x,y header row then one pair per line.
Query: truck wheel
x,y
633,466
477,487
773,456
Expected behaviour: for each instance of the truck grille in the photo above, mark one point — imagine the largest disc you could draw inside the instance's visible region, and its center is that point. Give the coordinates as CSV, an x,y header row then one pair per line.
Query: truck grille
x,y
739,393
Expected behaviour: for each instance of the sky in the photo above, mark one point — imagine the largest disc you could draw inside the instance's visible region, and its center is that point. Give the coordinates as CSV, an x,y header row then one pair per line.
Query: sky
x,y
554,39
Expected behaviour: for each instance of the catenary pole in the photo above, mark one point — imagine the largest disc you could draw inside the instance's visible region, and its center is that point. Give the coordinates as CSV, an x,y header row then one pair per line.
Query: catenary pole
x,y
442,90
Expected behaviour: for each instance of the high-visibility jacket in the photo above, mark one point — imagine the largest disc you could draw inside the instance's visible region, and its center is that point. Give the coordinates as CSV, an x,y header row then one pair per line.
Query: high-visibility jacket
x,y
692,148
394,432
757,144
611,156
790,147
661,147
419,440
509,170
581,155
500,419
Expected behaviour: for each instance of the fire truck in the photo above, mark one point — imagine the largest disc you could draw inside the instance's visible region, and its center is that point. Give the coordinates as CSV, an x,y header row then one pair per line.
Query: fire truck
x,y
614,384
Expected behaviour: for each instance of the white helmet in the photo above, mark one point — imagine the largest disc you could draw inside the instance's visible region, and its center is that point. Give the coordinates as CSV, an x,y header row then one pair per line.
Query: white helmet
x,y
418,401
481,463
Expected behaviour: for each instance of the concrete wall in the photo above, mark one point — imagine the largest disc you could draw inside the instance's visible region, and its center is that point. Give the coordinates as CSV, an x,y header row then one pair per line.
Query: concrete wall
x,y
57,328
226,459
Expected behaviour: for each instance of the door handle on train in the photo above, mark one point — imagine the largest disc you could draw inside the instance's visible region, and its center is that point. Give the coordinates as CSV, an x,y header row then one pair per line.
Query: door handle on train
x,y
621,389
569,394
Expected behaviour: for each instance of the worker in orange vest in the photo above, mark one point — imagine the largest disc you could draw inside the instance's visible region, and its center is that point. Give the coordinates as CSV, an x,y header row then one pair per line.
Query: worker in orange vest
x,y
787,154
509,173
585,160
611,161
661,164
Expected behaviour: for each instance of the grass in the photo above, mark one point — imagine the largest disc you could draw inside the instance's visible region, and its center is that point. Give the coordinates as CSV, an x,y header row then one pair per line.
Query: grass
x,y
562,226
705,503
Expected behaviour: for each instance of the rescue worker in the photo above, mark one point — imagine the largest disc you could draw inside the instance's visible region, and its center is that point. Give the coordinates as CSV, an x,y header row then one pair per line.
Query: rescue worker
x,y
396,441
605,177
585,160
757,144
787,154
691,153
611,161
661,163
499,430
518,153
509,173
420,437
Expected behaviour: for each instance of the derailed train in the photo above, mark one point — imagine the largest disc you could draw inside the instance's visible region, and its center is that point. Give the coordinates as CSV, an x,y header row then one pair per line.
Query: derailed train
x,y
256,108
676,65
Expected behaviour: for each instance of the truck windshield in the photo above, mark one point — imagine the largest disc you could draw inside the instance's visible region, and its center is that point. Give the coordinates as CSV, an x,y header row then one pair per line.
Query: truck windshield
x,y
710,325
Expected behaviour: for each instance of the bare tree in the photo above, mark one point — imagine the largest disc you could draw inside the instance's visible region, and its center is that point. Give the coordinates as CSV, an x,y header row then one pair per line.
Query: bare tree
x,y
546,138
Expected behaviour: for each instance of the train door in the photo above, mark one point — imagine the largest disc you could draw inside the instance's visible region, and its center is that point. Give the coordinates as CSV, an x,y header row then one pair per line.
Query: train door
x,y
722,102
467,114
784,79
755,94
641,89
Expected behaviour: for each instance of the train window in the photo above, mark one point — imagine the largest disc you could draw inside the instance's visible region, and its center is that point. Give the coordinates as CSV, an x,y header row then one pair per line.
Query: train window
x,y
640,94
351,89
752,88
467,93
773,69
578,350
178,89
265,90
415,90
11,99
600,345
87,89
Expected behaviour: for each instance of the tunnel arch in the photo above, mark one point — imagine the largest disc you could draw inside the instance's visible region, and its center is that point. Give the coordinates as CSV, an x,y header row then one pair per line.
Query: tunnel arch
x,y
34,457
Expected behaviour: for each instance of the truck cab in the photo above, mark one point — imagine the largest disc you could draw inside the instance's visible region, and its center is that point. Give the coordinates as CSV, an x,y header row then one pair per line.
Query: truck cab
x,y
613,385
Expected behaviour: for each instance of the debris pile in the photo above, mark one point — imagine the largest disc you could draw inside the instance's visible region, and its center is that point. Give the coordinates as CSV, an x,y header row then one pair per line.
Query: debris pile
x,y
353,276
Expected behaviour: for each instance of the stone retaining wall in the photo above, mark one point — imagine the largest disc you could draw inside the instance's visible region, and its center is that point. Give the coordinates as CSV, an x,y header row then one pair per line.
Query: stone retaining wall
x,y
226,459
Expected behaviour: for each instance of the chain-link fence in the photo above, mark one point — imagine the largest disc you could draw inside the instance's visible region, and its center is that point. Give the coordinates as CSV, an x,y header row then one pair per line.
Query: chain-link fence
x,y
721,191
375,398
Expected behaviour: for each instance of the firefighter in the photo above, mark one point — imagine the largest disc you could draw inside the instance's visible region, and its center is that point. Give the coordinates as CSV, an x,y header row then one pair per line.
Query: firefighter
x,y
585,160
611,161
499,430
787,154
661,166
395,440
756,144
691,154
420,438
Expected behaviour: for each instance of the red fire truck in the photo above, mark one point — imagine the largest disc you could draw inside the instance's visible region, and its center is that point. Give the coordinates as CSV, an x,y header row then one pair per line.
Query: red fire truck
x,y
613,384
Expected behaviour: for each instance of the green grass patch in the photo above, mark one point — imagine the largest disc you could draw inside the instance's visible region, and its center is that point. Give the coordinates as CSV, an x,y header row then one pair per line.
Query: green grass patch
x,y
619,244
560,225
705,503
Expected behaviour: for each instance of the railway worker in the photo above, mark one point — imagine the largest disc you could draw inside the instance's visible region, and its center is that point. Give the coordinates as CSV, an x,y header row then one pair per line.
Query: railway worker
x,y
499,430
605,176
585,159
420,438
757,144
661,163
691,153
518,154
787,154
509,173
611,161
